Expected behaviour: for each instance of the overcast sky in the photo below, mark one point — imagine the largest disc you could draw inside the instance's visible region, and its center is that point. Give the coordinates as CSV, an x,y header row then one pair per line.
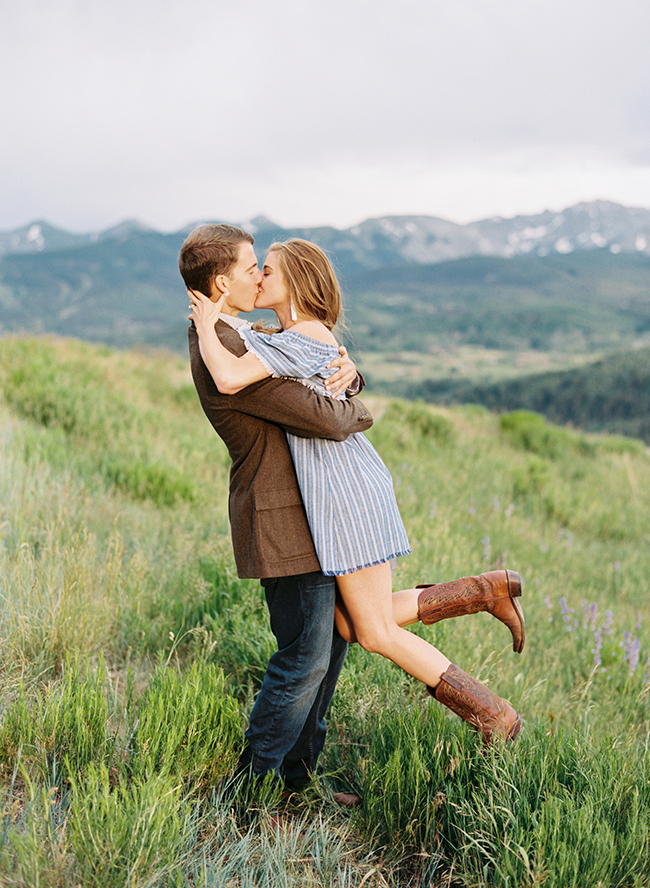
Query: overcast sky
x,y
319,111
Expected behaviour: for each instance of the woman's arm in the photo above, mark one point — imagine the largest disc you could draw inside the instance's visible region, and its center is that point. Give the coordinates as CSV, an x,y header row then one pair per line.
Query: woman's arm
x,y
230,373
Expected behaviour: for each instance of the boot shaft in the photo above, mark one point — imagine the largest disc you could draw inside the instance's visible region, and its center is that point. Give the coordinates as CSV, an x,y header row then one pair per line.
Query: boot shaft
x,y
477,705
495,592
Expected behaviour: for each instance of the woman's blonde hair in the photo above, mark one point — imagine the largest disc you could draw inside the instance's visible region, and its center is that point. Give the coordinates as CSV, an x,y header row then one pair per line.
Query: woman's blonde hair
x,y
310,280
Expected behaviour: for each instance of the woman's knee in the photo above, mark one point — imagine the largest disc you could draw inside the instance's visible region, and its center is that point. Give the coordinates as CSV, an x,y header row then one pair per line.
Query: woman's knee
x,y
375,639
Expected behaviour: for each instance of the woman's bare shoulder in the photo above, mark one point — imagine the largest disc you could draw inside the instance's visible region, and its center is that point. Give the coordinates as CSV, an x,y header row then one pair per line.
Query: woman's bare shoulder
x,y
315,330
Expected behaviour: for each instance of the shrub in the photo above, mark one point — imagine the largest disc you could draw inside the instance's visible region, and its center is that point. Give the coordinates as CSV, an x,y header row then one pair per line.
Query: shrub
x,y
71,396
410,425
620,444
530,431
127,834
188,727
532,479
139,478
61,729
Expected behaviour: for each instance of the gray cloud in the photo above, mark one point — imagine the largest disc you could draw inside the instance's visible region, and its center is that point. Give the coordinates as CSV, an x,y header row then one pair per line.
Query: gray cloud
x,y
315,112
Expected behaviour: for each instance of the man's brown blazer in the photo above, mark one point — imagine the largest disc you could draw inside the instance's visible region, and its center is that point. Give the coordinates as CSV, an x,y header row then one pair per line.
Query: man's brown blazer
x,y
270,533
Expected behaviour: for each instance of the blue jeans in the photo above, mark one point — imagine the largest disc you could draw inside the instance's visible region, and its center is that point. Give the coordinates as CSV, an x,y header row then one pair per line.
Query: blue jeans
x,y
286,731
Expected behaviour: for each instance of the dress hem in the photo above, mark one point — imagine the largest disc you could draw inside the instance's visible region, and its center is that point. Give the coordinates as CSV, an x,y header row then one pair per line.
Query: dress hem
x,y
351,570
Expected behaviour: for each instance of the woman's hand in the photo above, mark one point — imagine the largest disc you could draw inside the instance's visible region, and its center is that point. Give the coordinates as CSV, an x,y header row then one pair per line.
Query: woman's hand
x,y
205,313
344,376
230,373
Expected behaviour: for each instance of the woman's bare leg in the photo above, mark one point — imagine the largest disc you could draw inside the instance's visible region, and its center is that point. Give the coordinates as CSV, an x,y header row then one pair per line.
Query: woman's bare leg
x,y
496,592
405,612
369,612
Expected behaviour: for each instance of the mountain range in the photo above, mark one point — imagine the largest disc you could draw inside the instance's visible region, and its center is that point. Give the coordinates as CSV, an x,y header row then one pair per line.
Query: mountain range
x,y
576,281
122,286
404,240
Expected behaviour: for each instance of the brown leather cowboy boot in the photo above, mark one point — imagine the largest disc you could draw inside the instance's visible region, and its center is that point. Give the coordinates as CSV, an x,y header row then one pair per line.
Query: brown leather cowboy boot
x,y
495,592
477,705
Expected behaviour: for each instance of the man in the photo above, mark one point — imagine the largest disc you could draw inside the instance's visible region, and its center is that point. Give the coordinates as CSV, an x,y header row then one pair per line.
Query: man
x,y
270,534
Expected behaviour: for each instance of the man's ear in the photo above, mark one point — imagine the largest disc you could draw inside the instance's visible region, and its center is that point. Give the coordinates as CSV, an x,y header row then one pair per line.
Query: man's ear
x,y
219,285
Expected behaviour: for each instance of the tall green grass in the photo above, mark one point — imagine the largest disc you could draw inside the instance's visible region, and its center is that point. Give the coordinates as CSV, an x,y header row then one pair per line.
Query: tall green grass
x,y
130,653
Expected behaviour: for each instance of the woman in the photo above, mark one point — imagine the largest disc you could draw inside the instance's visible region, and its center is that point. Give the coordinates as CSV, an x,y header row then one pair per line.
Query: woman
x,y
348,491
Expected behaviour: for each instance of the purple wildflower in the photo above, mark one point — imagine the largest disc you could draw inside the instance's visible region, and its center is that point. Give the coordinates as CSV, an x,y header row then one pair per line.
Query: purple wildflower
x,y
598,646
589,615
566,611
631,646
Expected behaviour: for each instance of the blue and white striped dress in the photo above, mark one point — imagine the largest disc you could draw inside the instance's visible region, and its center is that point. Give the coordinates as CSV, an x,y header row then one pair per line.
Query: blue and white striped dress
x,y
346,488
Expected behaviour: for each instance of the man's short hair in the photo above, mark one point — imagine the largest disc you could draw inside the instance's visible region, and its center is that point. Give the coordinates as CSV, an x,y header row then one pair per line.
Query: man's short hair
x,y
210,250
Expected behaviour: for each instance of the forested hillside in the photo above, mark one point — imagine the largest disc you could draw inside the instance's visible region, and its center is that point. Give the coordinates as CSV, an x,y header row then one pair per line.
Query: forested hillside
x,y
120,291
612,394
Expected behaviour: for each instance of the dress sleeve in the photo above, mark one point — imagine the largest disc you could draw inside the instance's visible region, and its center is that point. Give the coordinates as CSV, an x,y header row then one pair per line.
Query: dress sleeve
x,y
290,354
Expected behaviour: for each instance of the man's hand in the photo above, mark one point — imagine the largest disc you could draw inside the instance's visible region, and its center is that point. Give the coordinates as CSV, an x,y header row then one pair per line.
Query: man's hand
x,y
344,376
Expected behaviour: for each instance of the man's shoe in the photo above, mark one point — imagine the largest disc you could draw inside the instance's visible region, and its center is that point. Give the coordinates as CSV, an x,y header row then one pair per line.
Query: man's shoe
x,y
477,705
495,592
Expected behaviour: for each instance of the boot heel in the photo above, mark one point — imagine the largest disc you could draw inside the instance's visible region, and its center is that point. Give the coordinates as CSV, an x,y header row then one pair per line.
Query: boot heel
x,y
515,583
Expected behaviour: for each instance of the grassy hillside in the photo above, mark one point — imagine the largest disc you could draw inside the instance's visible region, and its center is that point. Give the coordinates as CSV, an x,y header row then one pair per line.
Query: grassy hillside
x,y
130,653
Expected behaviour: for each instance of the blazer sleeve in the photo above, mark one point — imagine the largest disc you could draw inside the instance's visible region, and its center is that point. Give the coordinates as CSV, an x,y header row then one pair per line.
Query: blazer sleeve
x,y
301,411
287,402
357,386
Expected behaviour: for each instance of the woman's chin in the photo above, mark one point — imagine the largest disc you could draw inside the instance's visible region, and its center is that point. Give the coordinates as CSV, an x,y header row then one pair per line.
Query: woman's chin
x,y
261,303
